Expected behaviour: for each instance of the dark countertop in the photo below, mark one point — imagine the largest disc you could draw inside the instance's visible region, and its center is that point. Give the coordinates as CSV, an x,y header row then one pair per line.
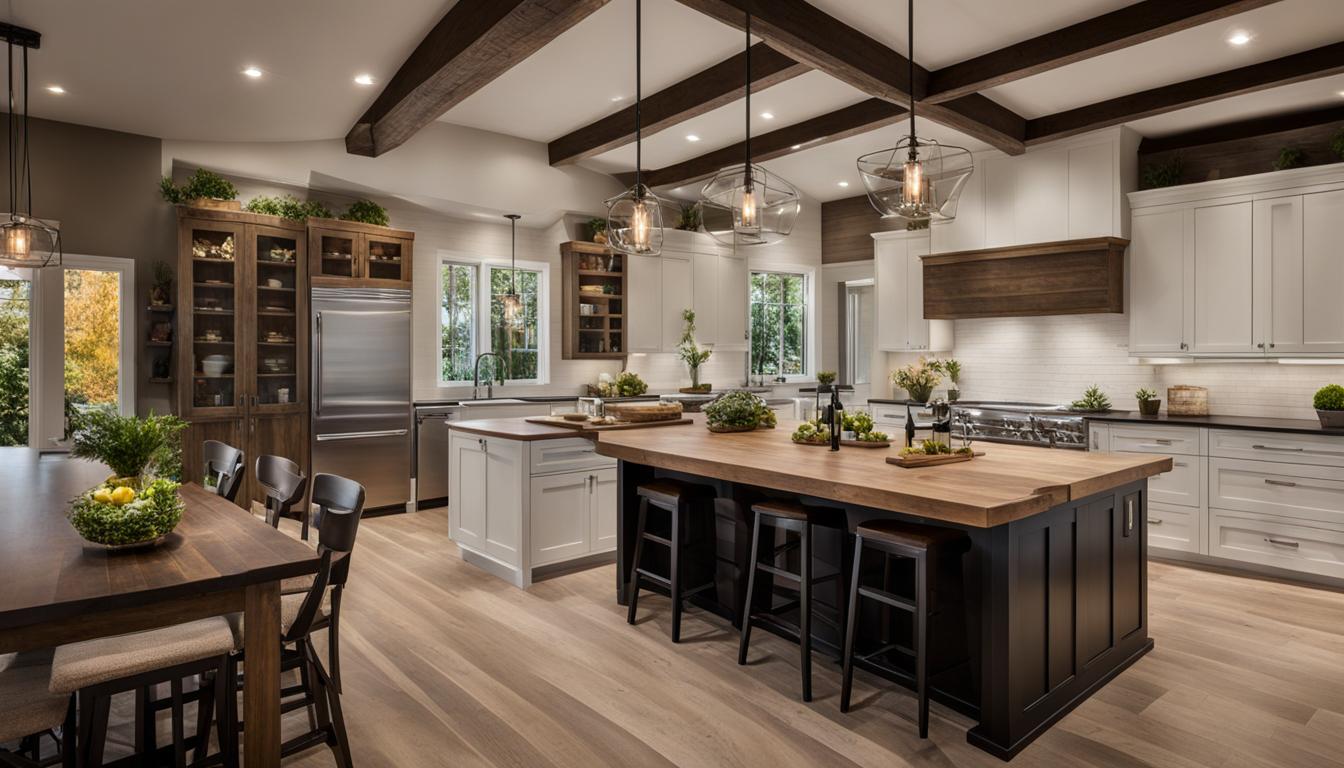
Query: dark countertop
x,y
515,429
1300,426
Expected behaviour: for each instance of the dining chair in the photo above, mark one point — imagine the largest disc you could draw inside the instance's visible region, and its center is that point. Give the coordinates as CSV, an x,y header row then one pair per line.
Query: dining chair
x,y
284,485
29,711
340,503
224,465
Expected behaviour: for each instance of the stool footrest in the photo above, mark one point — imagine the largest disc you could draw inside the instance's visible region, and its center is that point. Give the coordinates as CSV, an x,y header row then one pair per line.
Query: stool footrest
x,y
895,601
654,577
888,648
657,539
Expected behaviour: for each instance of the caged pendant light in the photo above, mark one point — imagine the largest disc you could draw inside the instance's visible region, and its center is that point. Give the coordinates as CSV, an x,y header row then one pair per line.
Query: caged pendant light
x,y
25,242
513,303
744,204
635,217
918,179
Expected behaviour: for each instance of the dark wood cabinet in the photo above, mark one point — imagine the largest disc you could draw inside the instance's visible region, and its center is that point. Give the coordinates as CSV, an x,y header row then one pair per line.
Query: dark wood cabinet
x,y
594,316
356,254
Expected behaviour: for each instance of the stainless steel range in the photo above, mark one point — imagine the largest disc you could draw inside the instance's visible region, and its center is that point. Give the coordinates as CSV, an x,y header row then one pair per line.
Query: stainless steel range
x,y
1050,426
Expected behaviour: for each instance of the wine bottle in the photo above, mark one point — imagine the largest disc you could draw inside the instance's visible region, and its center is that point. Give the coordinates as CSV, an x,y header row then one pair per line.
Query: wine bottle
x,y
837,418
909,428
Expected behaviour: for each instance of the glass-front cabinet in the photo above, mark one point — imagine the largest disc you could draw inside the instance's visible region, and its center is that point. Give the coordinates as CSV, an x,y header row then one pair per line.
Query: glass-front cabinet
x,y
277,306
353,253
210,299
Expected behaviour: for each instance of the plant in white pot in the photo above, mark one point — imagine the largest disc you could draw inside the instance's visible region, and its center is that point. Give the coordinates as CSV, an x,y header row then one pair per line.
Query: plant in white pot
x,y
1329,403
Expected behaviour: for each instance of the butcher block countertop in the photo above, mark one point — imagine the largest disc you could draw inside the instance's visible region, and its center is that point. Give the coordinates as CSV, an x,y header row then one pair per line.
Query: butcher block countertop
x,y
1008,483
514,429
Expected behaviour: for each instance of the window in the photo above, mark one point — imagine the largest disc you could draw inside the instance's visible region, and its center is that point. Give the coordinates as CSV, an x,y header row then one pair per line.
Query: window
x,y
858,332
457,322
779,323
471,321
14,297
520,343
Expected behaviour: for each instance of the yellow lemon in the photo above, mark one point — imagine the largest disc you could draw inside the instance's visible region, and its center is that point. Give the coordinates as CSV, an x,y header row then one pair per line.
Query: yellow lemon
x,y
102,496
123,495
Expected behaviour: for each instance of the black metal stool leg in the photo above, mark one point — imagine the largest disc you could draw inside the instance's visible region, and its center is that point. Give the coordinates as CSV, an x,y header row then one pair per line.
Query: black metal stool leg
x,y
922,641
847,671
632,589
745,639
805,609
675,574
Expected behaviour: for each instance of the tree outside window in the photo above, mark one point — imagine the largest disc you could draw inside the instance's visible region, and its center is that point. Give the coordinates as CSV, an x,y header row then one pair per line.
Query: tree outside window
x,y
14,362
519,344
457,322
778,323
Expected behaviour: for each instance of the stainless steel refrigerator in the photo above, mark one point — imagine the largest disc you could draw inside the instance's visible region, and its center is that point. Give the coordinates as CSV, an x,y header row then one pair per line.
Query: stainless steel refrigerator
x,y
361,390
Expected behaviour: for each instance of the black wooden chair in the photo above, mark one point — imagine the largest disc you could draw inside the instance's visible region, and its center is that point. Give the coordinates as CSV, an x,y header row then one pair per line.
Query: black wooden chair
x,y
224,465
284,485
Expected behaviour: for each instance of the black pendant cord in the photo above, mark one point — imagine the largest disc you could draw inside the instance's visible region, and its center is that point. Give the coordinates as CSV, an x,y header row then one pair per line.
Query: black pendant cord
x,y
746,166
27,172
910,83
639,59
513,255
13,128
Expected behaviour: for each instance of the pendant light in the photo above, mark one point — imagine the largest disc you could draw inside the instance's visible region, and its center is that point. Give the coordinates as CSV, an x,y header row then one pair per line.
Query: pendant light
x,y
744,204
918,179
635,217
25,242
513,303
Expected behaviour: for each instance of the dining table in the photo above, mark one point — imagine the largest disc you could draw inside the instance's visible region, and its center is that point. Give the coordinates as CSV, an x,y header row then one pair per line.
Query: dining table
x,y
221,559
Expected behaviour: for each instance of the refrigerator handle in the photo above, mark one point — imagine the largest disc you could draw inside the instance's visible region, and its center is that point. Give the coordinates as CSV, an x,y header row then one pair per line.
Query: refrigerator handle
x,y
317,364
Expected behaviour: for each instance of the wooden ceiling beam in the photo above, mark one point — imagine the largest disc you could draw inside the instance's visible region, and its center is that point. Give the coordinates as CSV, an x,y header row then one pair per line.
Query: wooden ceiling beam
x,y
809,35
1308,65
709,89
1122,28
868,115
474,43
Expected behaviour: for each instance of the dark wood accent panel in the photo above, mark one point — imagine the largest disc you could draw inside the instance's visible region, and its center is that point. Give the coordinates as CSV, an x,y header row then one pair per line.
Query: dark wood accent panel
x,y
846,229
276,435
706,90
865,116
475,42
1122,28
228,431
1247,146
1065,278
1308,65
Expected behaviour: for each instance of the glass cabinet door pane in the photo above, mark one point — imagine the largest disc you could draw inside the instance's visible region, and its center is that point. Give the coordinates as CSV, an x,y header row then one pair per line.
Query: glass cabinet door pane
x,y
275,320
338,255
385,259
213,302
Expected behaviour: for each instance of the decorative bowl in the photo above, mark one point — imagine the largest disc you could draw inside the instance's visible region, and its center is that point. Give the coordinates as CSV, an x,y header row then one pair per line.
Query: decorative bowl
x,y
123,514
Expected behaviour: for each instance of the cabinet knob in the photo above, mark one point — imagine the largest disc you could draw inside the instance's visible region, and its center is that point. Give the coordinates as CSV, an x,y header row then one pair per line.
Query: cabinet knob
x,y
1184,345
1261,345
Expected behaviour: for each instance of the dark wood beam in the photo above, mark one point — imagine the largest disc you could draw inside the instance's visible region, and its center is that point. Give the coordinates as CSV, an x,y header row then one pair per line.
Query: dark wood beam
x,y
702,92
475,42
1122,28
809,35
1308,65
848,121
1243,129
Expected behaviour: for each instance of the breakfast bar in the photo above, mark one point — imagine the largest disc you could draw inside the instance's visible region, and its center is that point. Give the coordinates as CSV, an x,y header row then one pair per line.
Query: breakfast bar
x,y
1052,601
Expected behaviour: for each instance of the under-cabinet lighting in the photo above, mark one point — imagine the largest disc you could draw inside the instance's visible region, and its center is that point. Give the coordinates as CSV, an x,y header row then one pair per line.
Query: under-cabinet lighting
x,y
252,72
1311,361
796,147
56,89
615,99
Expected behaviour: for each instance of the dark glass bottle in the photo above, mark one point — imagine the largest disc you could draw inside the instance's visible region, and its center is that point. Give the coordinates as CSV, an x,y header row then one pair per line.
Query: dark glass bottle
x,y
909,428
837,418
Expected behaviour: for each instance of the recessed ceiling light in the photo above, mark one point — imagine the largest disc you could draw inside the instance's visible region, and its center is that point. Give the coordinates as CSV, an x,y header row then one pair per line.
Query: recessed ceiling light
x,y
253,72
56,89
1240,37
692,137
767,115
842,184
617,98
1341,93
796,147
364,79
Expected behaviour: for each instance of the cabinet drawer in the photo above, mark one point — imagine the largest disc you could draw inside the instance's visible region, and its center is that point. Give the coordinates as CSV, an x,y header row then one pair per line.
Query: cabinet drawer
x,y
1299,491
1179,486
1322,450
1277,542
1155,439
1173,527
566,454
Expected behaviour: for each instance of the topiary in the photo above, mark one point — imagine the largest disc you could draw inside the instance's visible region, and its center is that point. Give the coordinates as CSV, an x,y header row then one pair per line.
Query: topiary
x,y
1289,157
127,444
1093,399
1329,398
366,211
740,410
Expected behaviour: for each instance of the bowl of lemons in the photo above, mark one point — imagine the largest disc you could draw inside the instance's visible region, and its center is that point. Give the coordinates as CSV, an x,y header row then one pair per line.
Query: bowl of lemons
x,y
124,513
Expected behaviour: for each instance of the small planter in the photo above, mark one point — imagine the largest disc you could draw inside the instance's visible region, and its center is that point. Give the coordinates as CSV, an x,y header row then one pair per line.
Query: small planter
x,y
218,205
919,395
1149,407
1331,419
953,395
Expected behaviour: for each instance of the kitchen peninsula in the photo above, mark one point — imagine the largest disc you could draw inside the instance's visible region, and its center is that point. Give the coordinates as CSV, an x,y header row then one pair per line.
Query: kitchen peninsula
x,y
1055,582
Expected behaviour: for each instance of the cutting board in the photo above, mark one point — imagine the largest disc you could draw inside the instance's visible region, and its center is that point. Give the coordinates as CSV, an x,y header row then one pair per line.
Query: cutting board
x,y
583,426
925,460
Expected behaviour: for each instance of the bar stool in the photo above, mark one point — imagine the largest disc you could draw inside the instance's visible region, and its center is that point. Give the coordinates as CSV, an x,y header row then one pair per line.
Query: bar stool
x,y
790,516
927,546
677,499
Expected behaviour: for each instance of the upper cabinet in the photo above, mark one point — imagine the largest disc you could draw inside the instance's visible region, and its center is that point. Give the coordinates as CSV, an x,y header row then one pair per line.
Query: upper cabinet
x,y
898,272
1243,267
594,301
356,254
692,272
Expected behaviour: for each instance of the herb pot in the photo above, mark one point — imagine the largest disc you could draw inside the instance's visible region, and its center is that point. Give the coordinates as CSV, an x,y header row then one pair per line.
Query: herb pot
x,y
953,395
1331,419
1149,407
920,394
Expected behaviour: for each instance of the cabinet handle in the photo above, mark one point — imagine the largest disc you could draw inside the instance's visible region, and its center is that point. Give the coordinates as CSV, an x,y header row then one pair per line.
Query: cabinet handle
x,y
1179,464
1261,345
1287,483
1154,521
1184,345
1271,345
1283,542
1276,448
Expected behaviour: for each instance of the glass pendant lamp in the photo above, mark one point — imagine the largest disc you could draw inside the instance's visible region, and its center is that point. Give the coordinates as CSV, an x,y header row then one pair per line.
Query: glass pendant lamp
x,y
744,204
918,179
635,217
25,242
513,303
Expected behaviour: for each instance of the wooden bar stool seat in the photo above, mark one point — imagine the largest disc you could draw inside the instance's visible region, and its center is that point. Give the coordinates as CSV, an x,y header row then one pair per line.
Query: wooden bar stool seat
x,y
928,547
791,517
678,500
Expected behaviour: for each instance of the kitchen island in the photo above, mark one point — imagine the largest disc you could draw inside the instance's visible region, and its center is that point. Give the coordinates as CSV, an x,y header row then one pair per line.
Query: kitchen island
x,y
1053,590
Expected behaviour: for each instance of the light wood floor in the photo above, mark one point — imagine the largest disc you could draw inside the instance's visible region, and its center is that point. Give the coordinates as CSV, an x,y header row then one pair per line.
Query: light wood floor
x,y
445,666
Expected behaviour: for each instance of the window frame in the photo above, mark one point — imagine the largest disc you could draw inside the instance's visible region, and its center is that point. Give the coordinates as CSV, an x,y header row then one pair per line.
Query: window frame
x,y
809,275
455,260
482,341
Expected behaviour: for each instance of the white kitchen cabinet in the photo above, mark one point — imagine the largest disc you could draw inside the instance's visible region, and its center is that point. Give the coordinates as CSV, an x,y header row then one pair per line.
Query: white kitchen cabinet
x,y
1161,278
1301,237
692,273
1226,313
898,273
644,304
721,300
1093,190
487,478
560,517
678,295
602,521
1041,199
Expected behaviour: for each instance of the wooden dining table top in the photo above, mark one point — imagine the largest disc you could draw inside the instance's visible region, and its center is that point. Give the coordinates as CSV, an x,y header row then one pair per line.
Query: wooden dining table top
x,y
47,572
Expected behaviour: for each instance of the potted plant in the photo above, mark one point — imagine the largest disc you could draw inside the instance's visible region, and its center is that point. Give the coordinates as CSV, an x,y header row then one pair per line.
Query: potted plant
x,y
205,189
952,367
692,355
628,384
597,230
1329,404
367,212
689,220
738,411
161,289
1148,402
1092,401
138,504
918,379
824,380
288,207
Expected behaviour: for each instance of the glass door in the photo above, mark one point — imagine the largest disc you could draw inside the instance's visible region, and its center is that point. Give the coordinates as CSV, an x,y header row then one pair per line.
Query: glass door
x,y
276,306
212,311
15,300
386,258
336,253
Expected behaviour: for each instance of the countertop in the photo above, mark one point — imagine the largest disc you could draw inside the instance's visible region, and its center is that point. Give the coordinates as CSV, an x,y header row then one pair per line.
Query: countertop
x,y
1301,426
514,429
1008,483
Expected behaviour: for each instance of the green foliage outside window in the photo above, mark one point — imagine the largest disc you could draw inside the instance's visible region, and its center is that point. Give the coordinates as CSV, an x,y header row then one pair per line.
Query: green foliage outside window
x,y
519,343
457,322
13,362
778,323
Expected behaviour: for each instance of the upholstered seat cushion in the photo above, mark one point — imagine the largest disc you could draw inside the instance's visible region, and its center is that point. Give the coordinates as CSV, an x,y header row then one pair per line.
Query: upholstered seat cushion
x,y
80,665
26,704
290,605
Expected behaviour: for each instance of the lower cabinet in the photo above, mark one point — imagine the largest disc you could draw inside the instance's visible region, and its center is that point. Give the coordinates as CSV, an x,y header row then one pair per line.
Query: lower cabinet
x,y
280,434
573,515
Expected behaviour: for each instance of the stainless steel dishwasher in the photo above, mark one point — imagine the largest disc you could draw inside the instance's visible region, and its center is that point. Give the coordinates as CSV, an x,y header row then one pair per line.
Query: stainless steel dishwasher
x,y
431,453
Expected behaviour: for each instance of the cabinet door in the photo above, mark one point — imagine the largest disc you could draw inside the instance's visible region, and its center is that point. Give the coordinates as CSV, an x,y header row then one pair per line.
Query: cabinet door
x,y
917,328
275,435
277,304
733,297
386,259
229,431
966,232
467,497
678,294
506,477
890,274
213,304
1225,311
602,523
334,253
1041,192
1277,224
1322,272
1159,289
706,293
1000,208
644,305
560,511
1093,206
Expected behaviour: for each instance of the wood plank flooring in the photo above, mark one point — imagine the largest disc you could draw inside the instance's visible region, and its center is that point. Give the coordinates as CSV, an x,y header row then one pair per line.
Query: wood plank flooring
x,y
445,666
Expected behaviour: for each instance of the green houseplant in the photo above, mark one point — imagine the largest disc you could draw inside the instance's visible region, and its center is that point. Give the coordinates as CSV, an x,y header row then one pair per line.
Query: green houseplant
x,y
1160,174
202,187
136,505
288,207
693,355
824,380
367,212
1289,157
1092,401
1149,403
918,379
161,288
597,230
628,384
689,219
738,411
952,367
1329,404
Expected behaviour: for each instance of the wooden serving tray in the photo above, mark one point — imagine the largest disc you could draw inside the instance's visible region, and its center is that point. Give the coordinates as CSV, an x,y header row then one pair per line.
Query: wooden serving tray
x,y
584,426
918,460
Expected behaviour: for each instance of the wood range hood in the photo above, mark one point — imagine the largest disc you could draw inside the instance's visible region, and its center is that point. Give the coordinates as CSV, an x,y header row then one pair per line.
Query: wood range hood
x,y
1069,277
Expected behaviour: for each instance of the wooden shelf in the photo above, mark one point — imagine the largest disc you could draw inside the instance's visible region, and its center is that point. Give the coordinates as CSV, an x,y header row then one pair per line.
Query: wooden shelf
x,y
168,380
165,308
220,312
598,273
219,376
577,339
228,286
275,343
158,343
270,375
282,288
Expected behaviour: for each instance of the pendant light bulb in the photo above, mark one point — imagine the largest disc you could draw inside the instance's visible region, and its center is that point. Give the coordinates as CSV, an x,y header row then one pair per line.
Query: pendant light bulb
x,y
641,225
912,183
748,220
16,241
513,303
635,217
